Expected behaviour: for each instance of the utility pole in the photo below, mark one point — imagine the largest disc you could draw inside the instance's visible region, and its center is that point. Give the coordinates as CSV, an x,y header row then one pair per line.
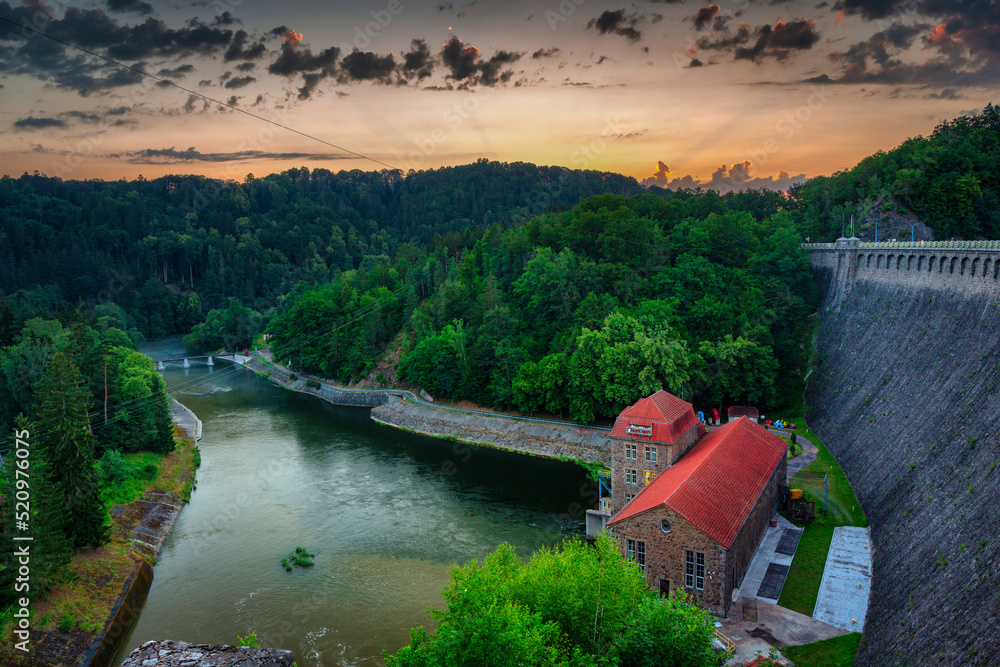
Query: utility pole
x,y
105,388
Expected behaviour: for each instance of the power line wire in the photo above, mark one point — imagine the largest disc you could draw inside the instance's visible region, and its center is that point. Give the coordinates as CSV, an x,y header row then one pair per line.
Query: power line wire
x,y
168,82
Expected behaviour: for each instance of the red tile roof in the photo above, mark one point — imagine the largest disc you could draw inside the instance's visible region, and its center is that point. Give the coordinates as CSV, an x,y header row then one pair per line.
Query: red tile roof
x,y
717,483
667,416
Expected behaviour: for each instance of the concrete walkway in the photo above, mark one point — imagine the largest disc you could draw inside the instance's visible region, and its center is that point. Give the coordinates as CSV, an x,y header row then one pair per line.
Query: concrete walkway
x,y
774,627
847,579
765,556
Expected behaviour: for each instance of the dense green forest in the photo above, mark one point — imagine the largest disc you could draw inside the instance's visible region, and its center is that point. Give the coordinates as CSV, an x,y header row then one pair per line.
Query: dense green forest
x,y
169,250
77,396
578,312
949,180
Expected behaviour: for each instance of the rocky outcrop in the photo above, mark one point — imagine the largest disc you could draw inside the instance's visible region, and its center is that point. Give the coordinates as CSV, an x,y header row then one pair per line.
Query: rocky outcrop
x,y
905,394
182,654
541,439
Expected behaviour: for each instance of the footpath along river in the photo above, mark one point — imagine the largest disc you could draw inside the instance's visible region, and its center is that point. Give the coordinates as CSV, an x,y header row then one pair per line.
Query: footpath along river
x,y
384,511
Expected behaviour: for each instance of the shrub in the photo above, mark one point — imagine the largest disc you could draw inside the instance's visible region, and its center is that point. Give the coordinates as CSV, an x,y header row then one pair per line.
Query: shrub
x,y
312,384
298,558
66,623
114,469
149,472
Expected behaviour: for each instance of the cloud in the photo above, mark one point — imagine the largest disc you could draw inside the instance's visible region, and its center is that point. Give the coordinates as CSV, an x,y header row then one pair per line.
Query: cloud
x,y
418,61
771,42
32,123
174,156
705,16
239,82
313,68
736,178
546,53
660,177
367,66
618,23
130,6
465,65
946,94
176,72
239,50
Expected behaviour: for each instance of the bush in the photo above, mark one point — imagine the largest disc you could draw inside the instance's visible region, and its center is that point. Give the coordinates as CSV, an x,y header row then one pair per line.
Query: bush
x,y
113,468
66,623
149,472
312,384
298,558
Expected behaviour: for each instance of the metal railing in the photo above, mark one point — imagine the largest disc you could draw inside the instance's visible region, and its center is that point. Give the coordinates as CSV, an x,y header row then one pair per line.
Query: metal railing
x,y
931,245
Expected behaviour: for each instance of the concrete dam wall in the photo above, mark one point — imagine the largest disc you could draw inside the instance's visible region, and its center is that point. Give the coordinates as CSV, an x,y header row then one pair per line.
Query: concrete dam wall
x,y
906,394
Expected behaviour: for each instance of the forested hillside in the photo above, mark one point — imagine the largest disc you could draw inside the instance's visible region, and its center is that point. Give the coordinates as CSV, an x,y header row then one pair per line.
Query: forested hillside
x,y
170,249
578,312
949,180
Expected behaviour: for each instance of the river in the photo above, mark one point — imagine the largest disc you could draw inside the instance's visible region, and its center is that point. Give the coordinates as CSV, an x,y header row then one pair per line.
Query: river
x,y
384,511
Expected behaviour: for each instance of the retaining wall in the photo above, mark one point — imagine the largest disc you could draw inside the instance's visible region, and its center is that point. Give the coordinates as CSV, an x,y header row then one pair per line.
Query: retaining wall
x,y
549,440
906,394
102,651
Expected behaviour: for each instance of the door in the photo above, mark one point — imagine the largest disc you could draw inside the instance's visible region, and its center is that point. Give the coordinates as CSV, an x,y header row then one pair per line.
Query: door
x,y
664,588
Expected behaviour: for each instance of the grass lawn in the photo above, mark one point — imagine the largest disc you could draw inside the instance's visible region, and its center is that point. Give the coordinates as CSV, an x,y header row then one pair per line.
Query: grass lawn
x,y
836,652
802,585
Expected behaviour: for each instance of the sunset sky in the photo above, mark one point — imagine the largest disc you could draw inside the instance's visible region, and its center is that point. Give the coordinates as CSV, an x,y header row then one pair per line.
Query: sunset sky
x,y
679,93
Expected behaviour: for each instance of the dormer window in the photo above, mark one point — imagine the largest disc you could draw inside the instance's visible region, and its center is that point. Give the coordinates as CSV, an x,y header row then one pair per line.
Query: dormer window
x,y
638,431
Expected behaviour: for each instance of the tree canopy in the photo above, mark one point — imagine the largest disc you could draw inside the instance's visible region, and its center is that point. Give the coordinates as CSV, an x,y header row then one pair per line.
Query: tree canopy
x,y
572,605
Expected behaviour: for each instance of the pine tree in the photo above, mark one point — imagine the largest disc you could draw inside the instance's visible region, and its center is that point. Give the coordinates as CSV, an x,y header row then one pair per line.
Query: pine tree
x,y
68,448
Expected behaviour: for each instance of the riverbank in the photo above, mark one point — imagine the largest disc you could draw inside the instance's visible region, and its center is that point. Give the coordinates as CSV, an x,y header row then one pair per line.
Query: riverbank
x,y
405,411
85,602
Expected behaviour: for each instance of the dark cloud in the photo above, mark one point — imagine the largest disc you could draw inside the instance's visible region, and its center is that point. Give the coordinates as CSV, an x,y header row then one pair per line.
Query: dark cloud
x,y
367,66
778,42
724,179
946,94
725,41
239,49
465,65
239,82
618,23
418,61
174,156
225,18
705,16
176,72
130,6
246,67
32,123
546,53
293,61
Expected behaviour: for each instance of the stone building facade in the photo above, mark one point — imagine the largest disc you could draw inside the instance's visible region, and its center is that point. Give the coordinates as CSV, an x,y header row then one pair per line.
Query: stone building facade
x,y
696,526
647,438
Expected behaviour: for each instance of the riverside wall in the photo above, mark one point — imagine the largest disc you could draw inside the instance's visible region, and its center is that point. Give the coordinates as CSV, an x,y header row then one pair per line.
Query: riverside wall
x,y
539,439
906,394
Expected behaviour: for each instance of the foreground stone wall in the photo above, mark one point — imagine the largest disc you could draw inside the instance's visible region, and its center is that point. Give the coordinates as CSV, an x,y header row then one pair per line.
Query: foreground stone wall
x,y
549,440
906,394
182,654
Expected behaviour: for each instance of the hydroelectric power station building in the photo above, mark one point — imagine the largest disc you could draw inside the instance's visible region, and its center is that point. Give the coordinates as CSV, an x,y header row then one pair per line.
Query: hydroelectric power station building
x,y
690,506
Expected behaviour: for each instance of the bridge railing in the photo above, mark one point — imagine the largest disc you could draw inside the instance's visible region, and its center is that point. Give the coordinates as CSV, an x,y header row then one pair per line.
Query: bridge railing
x,y
966,245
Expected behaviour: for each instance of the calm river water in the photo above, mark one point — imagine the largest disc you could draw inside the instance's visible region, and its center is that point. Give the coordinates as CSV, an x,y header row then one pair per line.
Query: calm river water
x,y
384,511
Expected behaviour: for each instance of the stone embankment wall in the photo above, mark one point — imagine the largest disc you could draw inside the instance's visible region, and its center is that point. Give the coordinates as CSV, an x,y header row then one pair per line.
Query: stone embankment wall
x,y
182,654
906,394
549,440
365,399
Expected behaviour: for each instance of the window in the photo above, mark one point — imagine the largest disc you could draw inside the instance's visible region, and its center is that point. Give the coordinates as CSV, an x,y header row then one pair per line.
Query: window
x,y
694,570
650,454
640,555
631,549
631,475
665,525
650,476
629,497
630,453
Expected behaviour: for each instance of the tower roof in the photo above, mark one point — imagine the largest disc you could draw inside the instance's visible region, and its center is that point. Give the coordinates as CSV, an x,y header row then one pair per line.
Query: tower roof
x,y
661,417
